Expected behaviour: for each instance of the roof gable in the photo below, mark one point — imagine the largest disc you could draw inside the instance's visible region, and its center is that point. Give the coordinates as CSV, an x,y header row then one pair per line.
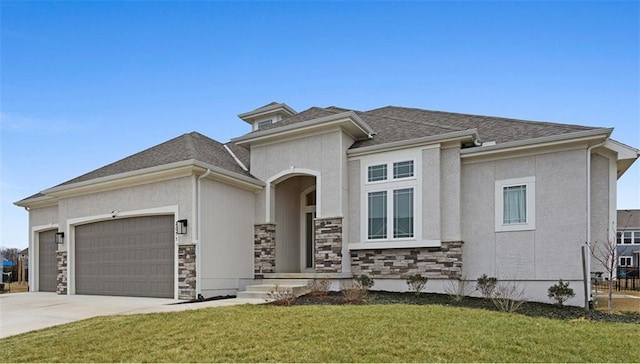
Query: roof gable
x,y
191,146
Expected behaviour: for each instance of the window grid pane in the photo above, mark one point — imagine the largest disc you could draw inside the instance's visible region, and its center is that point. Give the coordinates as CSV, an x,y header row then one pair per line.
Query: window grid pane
x,y
377,215
377,173
515,205
403,169
403,213
636,237
264,124
626,237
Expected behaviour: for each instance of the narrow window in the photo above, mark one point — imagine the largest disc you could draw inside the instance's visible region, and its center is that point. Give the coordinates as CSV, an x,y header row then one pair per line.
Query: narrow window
x,y
377,215
403,213
263,124
515,205
377,173
403,169
619,237
625,261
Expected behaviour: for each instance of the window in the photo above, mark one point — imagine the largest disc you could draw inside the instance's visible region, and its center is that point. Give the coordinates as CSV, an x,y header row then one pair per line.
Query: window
x,y
391,201
515,204
377,173
628,237
403,169
514,210
377,215
402,211
263,124
625,261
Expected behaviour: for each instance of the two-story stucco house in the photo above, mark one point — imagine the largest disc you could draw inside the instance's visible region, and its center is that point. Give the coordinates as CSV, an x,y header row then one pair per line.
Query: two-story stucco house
x,y
333,193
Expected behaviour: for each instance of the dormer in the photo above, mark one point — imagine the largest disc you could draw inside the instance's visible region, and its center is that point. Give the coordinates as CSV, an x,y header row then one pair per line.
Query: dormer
x,y
266,115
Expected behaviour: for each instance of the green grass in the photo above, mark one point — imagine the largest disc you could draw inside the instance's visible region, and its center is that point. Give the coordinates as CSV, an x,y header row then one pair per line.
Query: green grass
x,y
368,333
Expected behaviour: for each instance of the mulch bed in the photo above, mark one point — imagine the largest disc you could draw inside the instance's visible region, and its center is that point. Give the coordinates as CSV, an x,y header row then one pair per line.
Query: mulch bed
x,y
534,309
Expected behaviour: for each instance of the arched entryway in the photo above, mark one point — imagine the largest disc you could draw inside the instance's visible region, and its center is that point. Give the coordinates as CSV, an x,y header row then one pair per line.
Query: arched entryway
x,y
294,207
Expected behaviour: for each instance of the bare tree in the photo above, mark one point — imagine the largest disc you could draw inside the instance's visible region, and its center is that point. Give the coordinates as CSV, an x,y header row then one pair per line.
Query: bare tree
x,y
606,253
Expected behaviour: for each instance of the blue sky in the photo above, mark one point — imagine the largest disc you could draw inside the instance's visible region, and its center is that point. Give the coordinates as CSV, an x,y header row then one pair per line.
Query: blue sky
x,y
84,84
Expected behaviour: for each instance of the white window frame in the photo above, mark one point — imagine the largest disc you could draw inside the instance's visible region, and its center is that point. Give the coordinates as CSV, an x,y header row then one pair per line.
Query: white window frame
x,y
389,185
530,185
259,124
626,258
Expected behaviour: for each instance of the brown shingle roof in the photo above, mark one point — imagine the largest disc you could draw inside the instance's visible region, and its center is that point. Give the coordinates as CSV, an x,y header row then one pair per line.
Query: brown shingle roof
x,y
392,123
185,147
628,220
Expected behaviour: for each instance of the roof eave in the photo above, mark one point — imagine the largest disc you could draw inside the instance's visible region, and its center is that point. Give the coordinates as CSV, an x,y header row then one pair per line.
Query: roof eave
x,y
591,134
626,155
348,119
152,174
469,134
247,116
37,202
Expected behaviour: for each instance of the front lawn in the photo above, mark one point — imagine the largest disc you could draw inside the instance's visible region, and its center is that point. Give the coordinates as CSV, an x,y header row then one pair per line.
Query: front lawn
x,y
343,333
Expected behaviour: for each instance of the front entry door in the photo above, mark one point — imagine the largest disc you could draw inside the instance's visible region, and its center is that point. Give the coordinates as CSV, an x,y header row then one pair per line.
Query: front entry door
x,y
307,232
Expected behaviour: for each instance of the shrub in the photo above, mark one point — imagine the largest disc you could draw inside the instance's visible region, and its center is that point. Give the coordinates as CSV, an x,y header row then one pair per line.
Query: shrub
x,y
560,292
417,283
356,290
457,289
319,287
364,281
486,285
507,296
281,296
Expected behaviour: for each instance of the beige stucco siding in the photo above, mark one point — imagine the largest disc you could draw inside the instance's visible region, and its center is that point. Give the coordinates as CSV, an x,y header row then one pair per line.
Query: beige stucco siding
x,y
226,241
324,154
550,251
175,192
354,202
41,217
431,178
450,194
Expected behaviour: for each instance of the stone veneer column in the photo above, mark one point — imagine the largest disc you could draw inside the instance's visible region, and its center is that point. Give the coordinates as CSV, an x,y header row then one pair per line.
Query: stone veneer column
x,y
328,233
264,245
444,262
61,287
187,272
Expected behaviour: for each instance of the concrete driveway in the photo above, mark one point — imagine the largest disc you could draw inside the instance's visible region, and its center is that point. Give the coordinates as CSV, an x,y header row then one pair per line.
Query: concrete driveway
x,y
24,312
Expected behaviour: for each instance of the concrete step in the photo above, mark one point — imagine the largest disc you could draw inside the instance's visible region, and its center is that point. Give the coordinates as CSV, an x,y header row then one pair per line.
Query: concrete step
x,y
296,286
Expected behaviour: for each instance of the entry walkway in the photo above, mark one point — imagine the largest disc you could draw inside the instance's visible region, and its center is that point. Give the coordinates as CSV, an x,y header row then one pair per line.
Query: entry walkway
x,y
24,312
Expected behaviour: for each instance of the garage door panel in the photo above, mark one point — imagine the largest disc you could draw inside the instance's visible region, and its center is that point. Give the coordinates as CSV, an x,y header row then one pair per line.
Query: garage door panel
x,y
47,261
126,257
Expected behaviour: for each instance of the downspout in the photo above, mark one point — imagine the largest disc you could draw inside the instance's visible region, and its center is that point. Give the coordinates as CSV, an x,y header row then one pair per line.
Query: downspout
x,y
198,234
588,242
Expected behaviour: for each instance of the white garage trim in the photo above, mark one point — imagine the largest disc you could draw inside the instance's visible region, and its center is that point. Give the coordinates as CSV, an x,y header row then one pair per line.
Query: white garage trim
x,y
71,239
34,259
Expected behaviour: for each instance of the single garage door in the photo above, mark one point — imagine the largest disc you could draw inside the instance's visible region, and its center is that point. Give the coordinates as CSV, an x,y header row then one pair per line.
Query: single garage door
x,y
126,257
47,261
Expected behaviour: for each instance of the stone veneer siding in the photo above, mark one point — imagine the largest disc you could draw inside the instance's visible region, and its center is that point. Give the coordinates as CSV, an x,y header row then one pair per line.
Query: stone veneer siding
x,y
443,262
187,272
328,233
264,245
61,287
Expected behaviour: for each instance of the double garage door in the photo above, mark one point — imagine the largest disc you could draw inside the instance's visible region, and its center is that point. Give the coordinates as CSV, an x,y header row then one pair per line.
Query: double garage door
x,y
125,257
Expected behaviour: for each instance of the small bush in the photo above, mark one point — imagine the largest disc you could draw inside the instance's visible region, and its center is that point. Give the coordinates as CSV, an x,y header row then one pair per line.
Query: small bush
x,y
364,281
319,287
486,285
457,289
560,292
508,296
354,292
417,283
281,296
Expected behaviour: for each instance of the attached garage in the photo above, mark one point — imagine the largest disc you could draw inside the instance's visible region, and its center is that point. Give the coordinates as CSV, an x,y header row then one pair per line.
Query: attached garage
x,y
126,257
47,261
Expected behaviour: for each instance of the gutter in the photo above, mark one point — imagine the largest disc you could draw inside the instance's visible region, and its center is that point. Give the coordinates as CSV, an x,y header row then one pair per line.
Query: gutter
x,y
542,141
473,133
588,242
199,233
